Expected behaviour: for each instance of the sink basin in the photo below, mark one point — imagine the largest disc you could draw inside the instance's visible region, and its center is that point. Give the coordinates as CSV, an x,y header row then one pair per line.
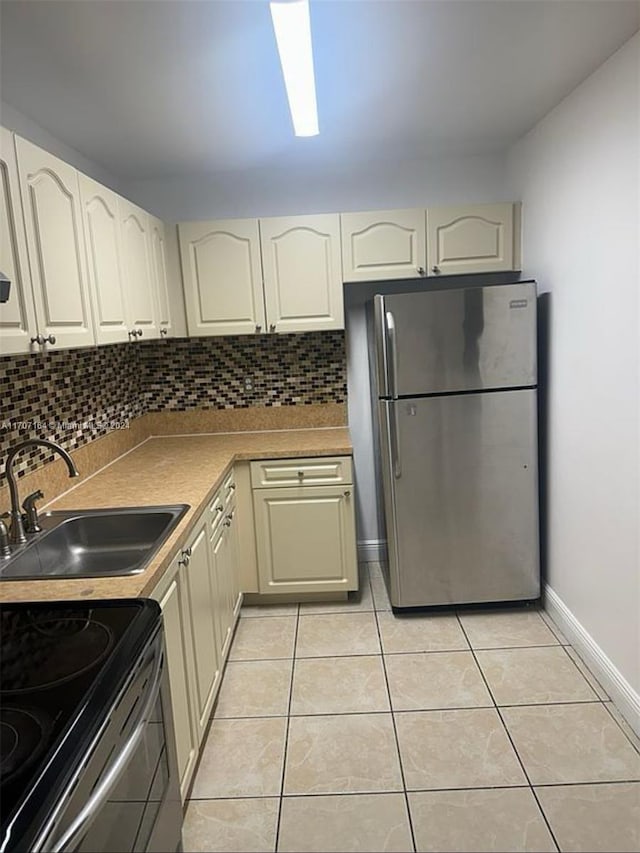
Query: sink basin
x,y
93,543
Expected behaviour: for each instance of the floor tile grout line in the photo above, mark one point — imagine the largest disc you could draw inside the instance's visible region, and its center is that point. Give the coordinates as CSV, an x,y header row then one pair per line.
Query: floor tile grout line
x,y
564,648
286,734
397,741
619,725
521,787
513,746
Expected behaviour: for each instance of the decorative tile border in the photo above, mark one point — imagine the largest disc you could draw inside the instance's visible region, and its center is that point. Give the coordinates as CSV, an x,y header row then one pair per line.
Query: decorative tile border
x,y
75,396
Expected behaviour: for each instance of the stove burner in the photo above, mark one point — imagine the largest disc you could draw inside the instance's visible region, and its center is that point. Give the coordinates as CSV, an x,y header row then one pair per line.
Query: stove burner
x,y
47,651
24,735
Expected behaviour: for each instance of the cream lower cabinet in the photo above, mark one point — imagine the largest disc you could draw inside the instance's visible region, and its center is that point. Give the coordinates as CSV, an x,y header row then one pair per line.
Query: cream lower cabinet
x,y
200,600
178,643
206,654
305,533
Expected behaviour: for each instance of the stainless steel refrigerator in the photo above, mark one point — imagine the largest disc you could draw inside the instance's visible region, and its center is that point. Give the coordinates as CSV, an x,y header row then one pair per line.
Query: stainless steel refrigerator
x,y
454,373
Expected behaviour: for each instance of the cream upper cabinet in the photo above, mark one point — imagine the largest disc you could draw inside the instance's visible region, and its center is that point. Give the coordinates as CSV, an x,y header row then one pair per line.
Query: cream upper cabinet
x,y
159,262
383,244
302,272
104,261
56,247
305,534
470,239
222,277
138,269
17,316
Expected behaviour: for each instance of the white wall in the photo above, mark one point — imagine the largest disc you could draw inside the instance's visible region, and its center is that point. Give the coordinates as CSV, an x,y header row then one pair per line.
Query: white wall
x,y
16,121
370,186
578,174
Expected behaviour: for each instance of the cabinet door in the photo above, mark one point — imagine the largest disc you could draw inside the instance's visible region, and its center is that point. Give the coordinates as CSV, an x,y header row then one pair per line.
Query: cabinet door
x,y
305,539
221,586
138,269
205,651
222,277
302,273
104,262
383,244
470,238
56,247
176,638
17,316
161,284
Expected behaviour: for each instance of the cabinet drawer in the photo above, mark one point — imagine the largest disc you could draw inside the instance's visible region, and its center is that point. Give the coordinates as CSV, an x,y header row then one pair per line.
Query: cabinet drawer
x,y
325,470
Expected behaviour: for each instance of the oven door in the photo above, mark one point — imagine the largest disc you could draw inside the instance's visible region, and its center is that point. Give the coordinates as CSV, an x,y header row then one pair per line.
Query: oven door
x,y
125,797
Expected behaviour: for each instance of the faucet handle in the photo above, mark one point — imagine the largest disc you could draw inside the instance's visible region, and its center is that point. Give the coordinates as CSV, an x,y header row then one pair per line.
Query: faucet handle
x,y
31,511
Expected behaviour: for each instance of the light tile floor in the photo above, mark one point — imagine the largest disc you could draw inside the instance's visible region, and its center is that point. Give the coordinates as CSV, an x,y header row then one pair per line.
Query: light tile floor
x,y
343,727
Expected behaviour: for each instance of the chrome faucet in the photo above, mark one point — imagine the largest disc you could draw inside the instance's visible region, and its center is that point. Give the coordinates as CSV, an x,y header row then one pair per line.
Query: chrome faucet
x,y
16,533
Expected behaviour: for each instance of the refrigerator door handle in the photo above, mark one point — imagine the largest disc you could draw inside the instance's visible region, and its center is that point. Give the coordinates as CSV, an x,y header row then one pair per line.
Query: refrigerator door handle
x,y
392,362
394,450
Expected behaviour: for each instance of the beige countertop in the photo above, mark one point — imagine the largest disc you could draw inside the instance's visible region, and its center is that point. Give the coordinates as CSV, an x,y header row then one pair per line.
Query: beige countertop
x,y
169,470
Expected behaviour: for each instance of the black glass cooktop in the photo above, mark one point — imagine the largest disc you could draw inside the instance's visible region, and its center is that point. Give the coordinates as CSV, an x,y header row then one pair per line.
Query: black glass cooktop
x,y
61,664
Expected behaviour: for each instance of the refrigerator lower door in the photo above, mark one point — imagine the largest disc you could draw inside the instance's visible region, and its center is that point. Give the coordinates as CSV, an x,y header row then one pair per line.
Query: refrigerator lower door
x,y
461,498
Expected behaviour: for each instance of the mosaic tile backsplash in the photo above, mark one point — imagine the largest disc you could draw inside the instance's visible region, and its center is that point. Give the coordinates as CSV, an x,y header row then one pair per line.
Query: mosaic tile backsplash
x,y
76,396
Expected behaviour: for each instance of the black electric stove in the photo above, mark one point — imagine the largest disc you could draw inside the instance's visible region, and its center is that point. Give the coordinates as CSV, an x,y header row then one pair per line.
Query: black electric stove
x,y
61,665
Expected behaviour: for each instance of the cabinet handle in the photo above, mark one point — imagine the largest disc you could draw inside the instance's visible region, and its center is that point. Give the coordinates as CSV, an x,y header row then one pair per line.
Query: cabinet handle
x,y
420,270
232,486
347,494
230,516
164,332
258,329
184,562
435,269
38,340
219,508
139,332
50,339
187,551
227,523
272,327
300,474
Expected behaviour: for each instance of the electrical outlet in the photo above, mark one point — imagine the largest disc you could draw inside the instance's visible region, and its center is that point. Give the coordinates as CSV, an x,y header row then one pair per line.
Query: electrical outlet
x,y
248,383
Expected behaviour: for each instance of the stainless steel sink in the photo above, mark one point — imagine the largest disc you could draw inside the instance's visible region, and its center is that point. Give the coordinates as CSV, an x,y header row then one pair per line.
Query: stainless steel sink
x,y
93,543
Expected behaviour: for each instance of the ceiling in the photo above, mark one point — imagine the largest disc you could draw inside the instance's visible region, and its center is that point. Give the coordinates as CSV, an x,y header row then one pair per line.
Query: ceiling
x,y
156,88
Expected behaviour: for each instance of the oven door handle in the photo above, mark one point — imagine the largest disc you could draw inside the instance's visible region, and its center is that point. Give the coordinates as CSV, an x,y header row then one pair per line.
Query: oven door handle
x,y
74,832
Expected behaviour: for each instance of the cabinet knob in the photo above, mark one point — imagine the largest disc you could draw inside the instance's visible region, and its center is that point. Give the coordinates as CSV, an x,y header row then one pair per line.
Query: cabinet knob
x,y
435,269
300,474
37,340
420,270
219,508
184,561
164,332
347,494
50,339
227,523
258,329
272,327
187,551
232,487
139,332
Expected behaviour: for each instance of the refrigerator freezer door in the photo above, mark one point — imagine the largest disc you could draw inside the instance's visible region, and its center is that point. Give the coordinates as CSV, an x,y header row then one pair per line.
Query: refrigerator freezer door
x,y
467,339
461,498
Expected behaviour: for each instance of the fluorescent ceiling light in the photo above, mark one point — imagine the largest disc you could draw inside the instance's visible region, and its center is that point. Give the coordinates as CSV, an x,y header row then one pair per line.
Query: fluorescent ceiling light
x,y
293,36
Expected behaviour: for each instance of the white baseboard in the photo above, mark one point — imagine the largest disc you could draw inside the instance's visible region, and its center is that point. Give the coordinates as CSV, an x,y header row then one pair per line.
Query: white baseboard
x,y
372,550
624,696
